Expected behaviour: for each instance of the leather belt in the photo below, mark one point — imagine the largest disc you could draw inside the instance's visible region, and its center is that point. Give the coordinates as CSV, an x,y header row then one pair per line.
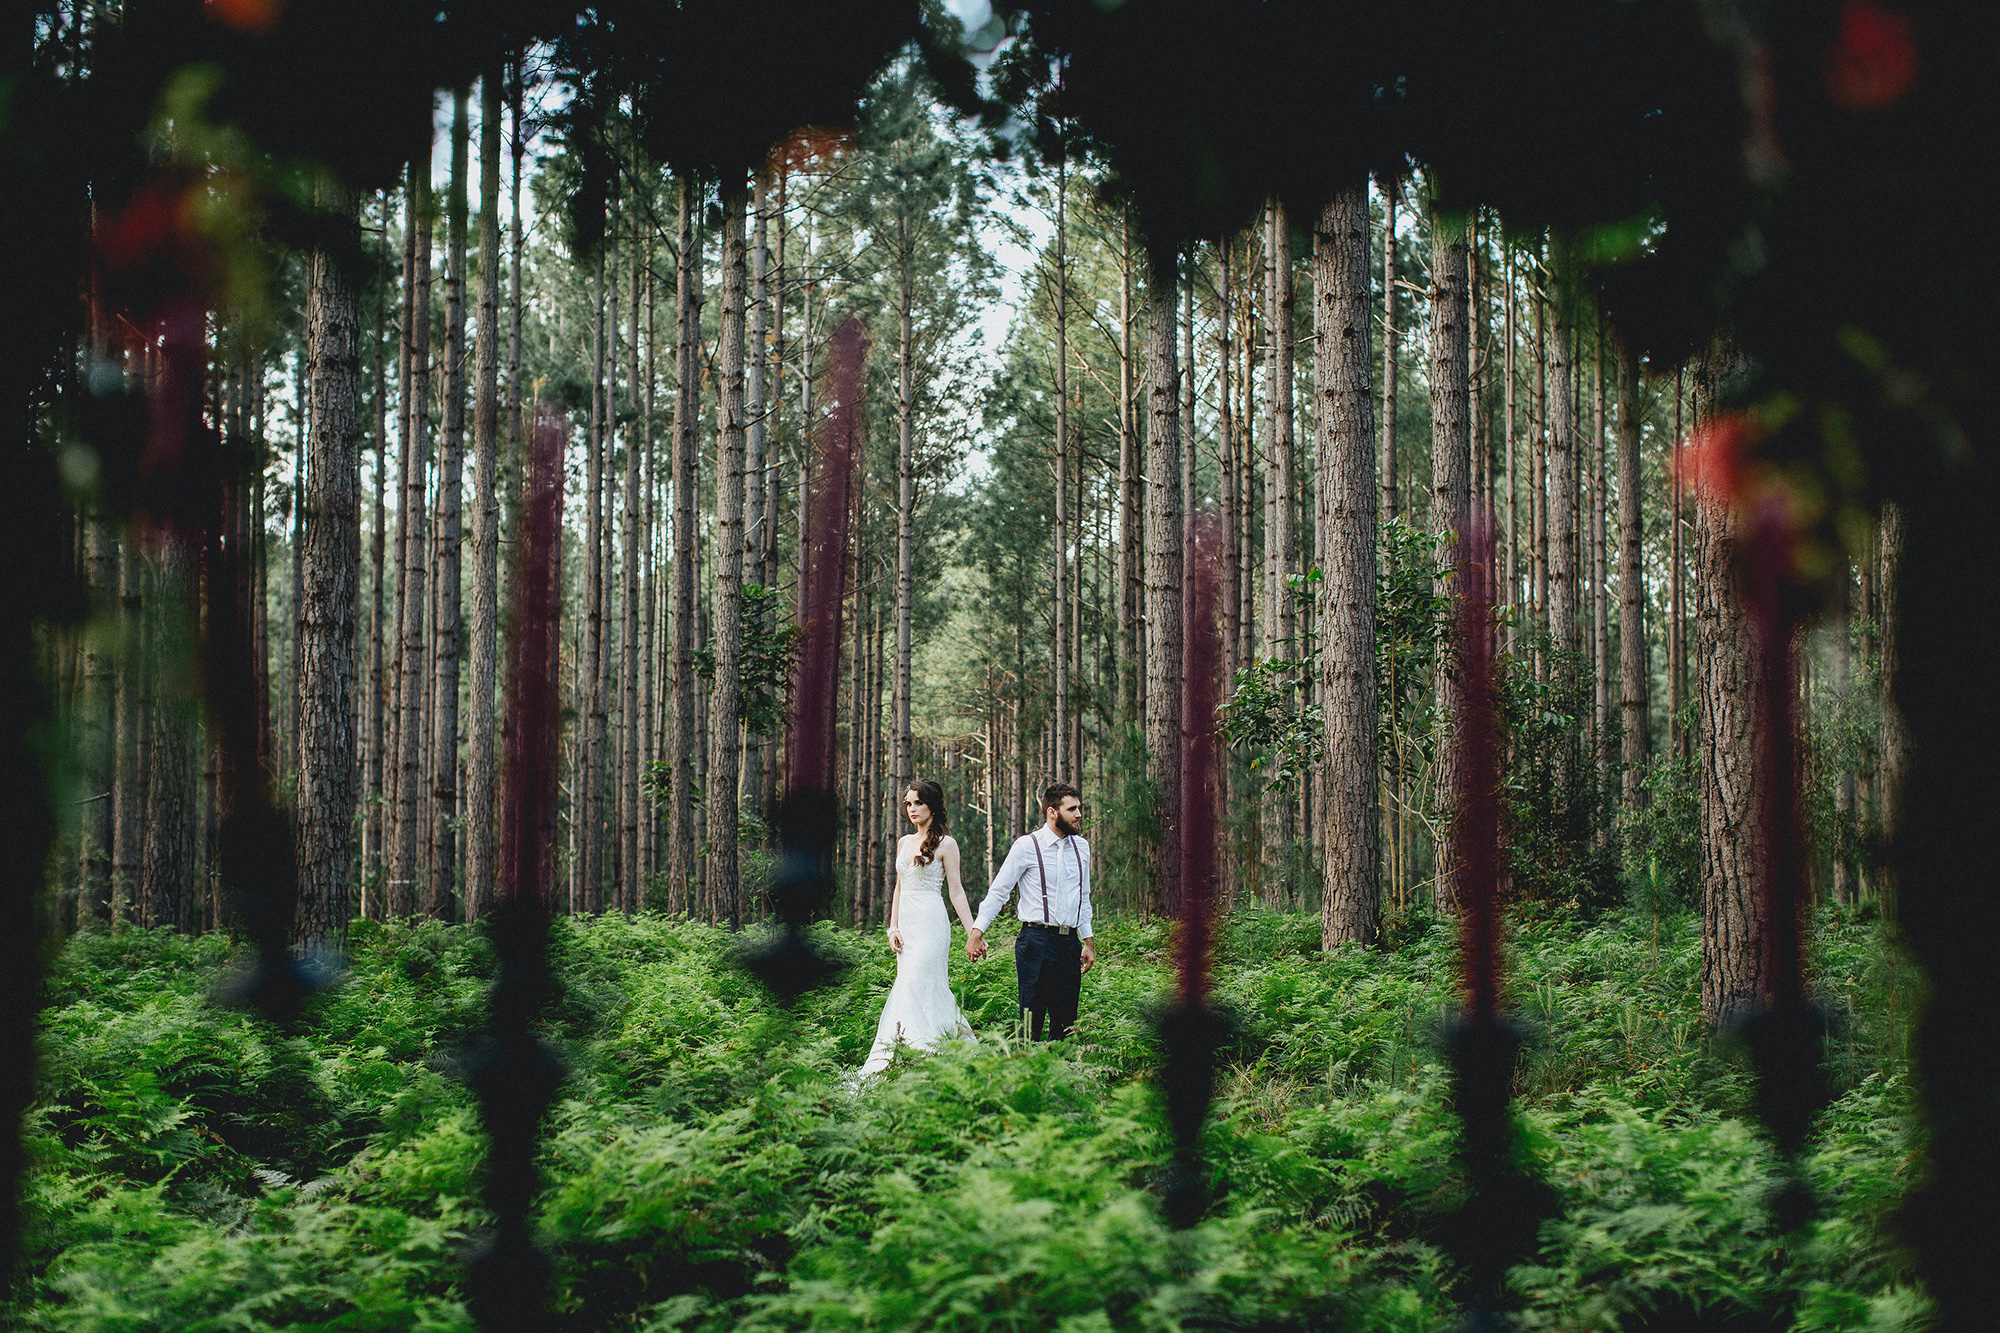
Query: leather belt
x,y
1043,925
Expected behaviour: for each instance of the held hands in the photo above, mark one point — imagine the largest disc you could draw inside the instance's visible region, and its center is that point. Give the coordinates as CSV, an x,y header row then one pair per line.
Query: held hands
x,y
975,944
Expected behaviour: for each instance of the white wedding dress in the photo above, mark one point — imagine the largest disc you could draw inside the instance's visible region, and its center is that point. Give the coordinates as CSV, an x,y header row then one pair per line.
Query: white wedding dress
x,y
921,1010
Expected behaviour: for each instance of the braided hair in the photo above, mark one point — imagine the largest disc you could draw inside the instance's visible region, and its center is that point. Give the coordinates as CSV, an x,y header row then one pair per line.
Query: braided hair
x,y
931,795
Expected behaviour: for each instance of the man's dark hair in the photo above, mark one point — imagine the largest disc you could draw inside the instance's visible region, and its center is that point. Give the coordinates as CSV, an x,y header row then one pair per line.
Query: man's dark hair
x,y
1052,795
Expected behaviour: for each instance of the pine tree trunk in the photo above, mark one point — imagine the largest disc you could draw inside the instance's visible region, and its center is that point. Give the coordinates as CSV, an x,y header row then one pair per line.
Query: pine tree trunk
x,y
1345,446
1602,753
631,875
871,773
1512,598
851,802
411,569
1451,471
1280,503
127,796
774,456
294,587
1538,475
1059,545
375,737
1164,555
724,762
1892,747
1676,587
392,650
479,830
1729,688
515,468
756,530
1843,778
1130,672
330,594
1561,502
680,829
1633,659
96,703
1249,587
167,894
587,799
442,885
906,494
1229,483
1390,484
649,676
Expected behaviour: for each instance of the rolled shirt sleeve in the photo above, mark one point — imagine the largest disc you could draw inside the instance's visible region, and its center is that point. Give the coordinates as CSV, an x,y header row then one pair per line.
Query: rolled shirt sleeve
x,y
1003,884
1083,889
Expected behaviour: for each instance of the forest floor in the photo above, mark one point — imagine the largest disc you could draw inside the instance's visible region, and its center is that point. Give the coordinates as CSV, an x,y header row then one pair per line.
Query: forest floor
x,y
706,1169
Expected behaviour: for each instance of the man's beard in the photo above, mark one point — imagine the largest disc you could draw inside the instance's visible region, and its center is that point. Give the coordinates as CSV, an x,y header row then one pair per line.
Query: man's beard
x,y
1065,829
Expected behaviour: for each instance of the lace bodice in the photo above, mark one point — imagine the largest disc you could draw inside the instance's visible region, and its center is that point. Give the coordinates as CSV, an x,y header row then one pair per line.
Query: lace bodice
x,y
915,877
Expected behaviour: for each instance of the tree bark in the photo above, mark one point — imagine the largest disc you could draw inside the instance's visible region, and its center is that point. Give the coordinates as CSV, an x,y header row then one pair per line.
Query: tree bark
x,y
1562,599
1539,479
127,795
1601,751
1729,687
1229,477
1892,745
1840,631
631,874
1131,674
96,703
906,493
1676,586
331,572
1280,503
680,829
1389,364
587,801
1059,543
1633,664
1163,570
410,562
1451,472
479,862
167,894
442,886
1345,446
650,677
1512,598
756,527
724,732
375,739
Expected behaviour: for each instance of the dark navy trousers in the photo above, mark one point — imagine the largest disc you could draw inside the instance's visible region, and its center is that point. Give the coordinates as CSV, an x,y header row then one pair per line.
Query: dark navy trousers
x,y
1050,969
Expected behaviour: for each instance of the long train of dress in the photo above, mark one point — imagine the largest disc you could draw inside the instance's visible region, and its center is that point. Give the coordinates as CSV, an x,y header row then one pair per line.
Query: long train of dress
x,y
921,1010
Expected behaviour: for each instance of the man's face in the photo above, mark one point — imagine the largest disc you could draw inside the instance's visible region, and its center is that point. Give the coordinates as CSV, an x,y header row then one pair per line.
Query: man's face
x,y
1069,817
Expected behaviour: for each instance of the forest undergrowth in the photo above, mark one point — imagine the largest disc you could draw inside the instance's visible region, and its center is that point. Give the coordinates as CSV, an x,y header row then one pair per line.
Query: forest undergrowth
x,y
707,1167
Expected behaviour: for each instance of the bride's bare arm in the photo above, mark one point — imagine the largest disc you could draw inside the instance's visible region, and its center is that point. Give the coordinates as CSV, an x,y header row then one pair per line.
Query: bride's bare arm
x,y
948,852
896,903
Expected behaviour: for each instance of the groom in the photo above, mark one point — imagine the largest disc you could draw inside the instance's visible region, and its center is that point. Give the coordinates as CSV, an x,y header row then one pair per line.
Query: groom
x,y
1051,866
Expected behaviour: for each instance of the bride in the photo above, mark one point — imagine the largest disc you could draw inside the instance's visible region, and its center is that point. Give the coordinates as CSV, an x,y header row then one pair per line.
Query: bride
x,y
921,1011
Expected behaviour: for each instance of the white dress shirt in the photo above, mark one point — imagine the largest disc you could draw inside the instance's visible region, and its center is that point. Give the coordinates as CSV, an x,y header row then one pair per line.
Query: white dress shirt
x,y
1065,862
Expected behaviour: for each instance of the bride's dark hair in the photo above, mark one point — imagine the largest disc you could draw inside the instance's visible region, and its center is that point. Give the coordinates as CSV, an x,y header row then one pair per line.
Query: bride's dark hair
x,y
931,795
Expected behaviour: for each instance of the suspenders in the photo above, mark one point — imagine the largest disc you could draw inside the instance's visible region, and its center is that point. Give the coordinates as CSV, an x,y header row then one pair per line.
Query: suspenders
x,y
1043,872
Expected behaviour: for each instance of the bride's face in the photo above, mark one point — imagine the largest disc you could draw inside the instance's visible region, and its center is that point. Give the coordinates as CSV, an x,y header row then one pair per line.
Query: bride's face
x,y
914,807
